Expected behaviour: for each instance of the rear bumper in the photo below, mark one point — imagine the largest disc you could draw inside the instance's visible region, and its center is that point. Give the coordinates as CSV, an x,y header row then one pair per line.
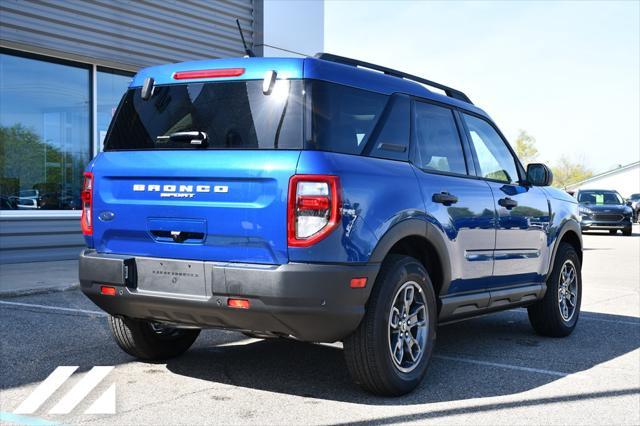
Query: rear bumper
x,y
312,302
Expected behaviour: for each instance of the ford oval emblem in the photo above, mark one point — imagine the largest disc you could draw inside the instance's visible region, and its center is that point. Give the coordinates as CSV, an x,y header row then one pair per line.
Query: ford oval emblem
x,y
106,216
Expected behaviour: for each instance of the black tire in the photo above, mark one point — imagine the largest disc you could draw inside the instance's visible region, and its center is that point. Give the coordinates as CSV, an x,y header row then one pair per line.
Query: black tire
x,y
627,231
367,351
545,315
147,341
613,231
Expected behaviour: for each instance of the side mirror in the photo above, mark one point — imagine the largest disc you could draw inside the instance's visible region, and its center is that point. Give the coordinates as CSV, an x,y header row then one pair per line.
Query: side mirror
x,y
539,174
629,203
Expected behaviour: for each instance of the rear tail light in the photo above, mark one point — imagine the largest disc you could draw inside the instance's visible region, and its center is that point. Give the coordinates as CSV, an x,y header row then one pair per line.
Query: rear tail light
x,y
87,204
313,208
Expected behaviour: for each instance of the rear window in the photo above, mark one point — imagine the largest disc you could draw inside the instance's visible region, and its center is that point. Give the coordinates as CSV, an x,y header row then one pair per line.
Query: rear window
x,y
342,116
232,115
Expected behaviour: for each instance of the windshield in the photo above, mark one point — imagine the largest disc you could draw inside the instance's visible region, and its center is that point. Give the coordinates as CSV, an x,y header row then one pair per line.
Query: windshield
x,y
634,197
599,197
230,115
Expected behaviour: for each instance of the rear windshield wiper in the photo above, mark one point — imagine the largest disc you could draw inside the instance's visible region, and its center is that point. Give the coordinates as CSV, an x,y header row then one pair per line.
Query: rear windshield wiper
x,y
193,138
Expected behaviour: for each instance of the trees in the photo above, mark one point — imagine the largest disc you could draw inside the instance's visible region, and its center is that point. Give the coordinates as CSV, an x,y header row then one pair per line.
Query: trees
x,y
525,147
566,172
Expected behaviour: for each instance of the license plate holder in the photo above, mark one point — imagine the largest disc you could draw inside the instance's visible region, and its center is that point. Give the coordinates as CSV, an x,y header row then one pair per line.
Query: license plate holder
x,y
171,276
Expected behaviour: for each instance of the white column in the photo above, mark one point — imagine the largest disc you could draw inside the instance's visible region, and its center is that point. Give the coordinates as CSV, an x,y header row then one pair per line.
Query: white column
x,y
94,110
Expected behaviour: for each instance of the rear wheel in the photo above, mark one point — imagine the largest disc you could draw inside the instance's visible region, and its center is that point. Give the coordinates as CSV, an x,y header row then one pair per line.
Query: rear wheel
x,y
389,352
150,340
556,315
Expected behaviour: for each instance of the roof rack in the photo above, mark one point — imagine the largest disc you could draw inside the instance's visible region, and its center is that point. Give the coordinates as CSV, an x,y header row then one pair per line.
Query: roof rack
x,y
451,92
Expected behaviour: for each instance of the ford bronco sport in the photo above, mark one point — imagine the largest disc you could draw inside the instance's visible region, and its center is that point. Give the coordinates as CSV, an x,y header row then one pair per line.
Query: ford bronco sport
x,y
323,199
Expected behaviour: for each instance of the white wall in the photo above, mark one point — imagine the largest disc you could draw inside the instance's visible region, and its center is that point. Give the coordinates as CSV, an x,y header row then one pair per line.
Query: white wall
x,y
626,182
297,26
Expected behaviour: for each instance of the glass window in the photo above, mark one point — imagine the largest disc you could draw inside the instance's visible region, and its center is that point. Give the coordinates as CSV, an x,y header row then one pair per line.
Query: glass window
x,y
600,197
494,158
438,144
233,115
111,85
391,137
44,133
343,117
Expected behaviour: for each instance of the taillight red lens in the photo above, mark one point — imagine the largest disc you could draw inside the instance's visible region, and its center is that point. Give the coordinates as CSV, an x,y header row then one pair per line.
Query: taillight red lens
x,y
87,204
313,208
223,72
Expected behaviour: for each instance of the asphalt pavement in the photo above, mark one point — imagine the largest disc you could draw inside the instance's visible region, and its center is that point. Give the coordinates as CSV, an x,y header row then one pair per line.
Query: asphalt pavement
x,y
489,370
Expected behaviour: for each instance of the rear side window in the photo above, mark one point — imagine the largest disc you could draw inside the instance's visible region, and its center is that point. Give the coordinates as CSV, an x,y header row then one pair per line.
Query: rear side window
x,y
233,115
438,146
342,116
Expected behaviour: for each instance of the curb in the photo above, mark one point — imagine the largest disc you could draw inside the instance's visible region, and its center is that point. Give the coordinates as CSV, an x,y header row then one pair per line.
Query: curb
x,y
7,294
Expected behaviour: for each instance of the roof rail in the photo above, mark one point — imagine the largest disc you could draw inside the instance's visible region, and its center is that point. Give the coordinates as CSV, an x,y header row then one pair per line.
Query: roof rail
x,y
451,92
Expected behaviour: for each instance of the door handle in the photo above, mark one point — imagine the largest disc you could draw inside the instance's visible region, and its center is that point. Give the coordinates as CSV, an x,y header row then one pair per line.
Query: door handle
x,y
507,203
444,198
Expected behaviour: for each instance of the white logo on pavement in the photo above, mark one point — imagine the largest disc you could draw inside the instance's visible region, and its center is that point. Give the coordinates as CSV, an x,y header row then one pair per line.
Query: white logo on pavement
x,y
105,404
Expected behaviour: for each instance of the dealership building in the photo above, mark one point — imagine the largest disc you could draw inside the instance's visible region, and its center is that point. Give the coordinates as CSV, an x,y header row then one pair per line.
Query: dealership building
x,y
64,66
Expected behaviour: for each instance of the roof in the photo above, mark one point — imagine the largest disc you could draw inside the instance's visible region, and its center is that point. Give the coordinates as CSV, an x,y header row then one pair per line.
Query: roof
x,y
603,174
297,68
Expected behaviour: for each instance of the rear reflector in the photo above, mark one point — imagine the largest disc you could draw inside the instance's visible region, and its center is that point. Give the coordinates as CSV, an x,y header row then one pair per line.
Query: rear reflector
x,y
358,283
224,72
108,291
238,303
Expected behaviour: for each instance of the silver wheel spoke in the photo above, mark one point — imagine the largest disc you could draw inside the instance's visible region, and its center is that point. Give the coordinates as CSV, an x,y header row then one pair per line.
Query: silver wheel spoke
x,y
408,299
411,344
398,352
395,318
417,317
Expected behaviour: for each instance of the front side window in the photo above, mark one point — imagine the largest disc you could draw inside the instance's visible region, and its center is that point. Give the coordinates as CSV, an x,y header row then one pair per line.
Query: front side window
x,y
438,146
494,157
232,115
44,133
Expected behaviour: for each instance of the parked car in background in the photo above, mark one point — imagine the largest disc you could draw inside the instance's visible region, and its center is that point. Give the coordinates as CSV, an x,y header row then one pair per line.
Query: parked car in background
x,y
602,209
634,199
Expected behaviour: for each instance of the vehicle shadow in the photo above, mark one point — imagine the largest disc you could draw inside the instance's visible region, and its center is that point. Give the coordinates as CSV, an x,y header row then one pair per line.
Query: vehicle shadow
x,y
463,366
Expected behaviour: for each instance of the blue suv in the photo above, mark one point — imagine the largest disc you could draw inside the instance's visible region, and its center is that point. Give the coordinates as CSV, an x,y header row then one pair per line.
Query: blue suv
x,y
323,199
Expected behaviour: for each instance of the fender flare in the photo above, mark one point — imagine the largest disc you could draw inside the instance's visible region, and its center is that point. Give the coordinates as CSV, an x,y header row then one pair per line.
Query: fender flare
x,y
420,228
569,225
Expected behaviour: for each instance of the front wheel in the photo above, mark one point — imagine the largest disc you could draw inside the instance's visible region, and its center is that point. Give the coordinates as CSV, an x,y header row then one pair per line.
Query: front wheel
x,y
389,352
627,231
556,315
151,341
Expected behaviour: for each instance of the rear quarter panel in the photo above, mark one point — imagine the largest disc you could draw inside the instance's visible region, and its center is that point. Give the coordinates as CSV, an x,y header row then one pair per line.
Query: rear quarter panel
x,y
376,194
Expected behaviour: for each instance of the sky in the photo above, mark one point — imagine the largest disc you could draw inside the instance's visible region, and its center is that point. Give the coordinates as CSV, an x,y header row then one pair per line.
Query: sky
x,y
568,73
